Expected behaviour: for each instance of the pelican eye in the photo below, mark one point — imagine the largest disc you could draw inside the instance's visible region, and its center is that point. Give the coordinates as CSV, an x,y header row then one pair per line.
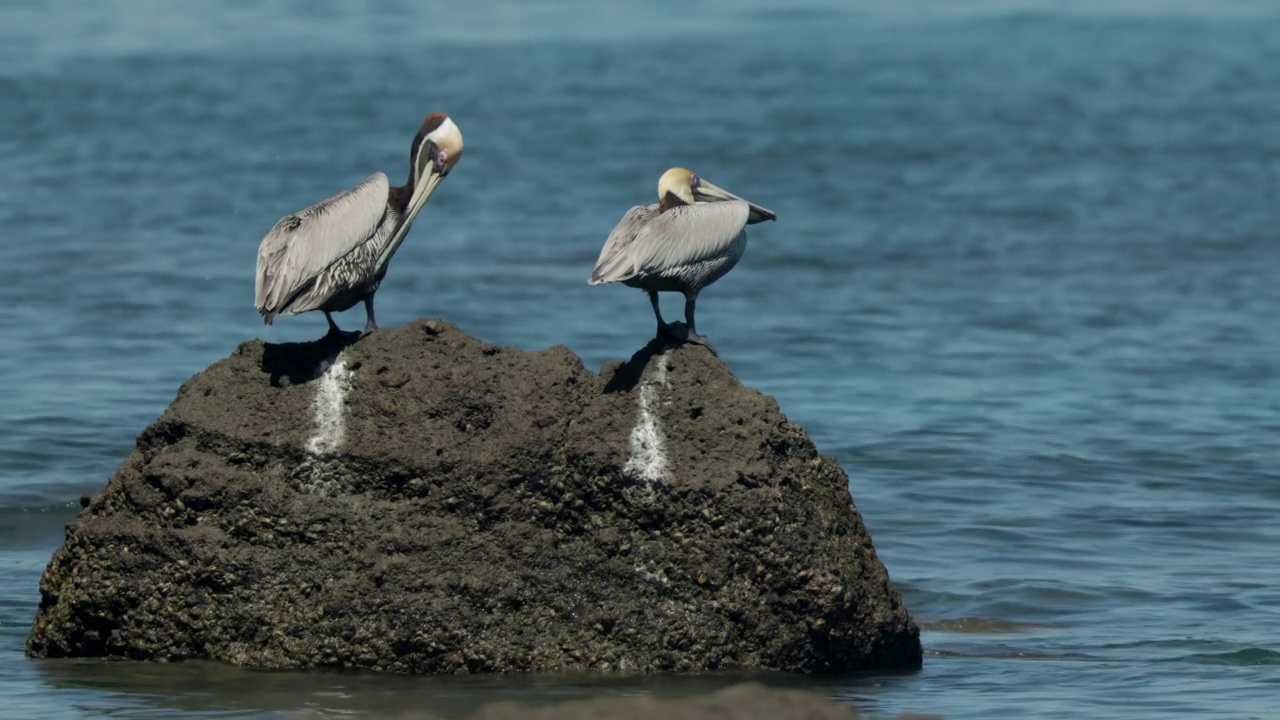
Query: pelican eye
x,y
694,180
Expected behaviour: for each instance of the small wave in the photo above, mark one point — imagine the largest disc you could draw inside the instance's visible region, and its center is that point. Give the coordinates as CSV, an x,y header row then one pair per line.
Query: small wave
x,y
979,625
30,524
35,506
1244,657
1001,654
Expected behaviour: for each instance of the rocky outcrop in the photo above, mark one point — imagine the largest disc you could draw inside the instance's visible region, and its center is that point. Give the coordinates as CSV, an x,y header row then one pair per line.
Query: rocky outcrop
x,y
426,502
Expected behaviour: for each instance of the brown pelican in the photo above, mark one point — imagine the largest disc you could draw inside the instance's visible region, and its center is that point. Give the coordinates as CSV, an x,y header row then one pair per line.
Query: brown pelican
x,y
690,238
335,253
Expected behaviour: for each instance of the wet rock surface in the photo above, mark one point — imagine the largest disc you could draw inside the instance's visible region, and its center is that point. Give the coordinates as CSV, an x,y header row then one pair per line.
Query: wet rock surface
x,y
432,503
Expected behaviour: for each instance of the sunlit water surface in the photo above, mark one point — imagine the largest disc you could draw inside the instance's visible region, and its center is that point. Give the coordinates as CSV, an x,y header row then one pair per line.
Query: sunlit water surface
x,y
1023,287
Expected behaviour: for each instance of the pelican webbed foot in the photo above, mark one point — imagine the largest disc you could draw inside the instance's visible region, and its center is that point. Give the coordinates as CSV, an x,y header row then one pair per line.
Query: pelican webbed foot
x,y
696,339
691,330
680,333
337,336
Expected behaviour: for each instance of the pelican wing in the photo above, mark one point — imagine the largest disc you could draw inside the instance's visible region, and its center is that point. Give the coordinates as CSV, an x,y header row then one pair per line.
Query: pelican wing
x,y
303,244
614,252
646,242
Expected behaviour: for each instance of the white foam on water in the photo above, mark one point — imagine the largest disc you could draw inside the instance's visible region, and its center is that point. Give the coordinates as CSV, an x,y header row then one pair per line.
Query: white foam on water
x,y
648,456
331,393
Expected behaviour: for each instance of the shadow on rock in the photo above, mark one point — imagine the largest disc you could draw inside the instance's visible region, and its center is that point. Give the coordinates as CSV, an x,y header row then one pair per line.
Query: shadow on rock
x,y
625,376
303,362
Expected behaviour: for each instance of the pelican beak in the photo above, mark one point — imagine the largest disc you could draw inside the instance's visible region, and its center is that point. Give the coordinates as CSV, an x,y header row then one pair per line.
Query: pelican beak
x,y
706,192
422,190
426,185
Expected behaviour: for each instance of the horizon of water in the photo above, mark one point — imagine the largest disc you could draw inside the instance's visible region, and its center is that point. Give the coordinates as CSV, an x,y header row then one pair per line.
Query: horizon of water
x,y
1021,287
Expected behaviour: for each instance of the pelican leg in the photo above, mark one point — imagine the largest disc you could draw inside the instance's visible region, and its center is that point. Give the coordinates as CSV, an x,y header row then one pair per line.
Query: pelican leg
x,y
370,324
663,328
334,330
692,336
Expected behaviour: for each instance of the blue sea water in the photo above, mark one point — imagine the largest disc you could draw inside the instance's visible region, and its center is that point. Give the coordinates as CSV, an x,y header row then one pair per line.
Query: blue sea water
x,y
1023,286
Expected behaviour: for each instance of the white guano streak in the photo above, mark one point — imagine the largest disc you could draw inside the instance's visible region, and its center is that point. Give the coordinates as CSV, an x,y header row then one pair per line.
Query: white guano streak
x,y
331,393
648,457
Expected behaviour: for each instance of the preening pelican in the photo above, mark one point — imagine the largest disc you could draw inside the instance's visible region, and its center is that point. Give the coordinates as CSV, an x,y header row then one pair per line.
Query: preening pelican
x,y
335,253
690,238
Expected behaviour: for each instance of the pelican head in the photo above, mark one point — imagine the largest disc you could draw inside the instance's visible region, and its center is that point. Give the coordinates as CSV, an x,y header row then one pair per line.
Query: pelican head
x,y
679,182
436,149
689,188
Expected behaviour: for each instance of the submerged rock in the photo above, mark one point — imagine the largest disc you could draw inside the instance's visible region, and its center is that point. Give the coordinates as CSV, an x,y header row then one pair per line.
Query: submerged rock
x,y
744,701
750,701
426,502
747,701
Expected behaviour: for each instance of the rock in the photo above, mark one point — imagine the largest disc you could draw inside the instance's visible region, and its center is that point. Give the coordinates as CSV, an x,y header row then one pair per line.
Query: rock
x,y
431,503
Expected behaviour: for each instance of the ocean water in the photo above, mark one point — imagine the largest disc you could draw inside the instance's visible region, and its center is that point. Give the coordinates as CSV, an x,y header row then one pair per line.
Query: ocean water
x,y
1023,286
